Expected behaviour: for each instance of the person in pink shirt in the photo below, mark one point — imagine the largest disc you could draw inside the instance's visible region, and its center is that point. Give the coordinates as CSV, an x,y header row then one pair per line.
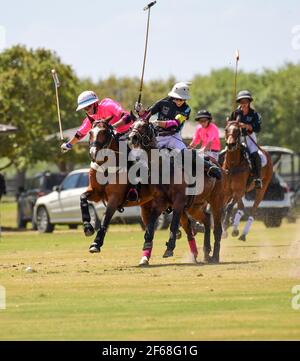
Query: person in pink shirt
x,y
207,133
101,109
98,109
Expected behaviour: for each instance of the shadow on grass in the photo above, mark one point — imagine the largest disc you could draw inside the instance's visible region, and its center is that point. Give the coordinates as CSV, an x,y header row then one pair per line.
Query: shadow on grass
x,y
195,264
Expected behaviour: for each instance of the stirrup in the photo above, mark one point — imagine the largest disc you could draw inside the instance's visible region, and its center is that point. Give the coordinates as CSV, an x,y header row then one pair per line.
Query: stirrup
x,y
132,195
214,172
258,183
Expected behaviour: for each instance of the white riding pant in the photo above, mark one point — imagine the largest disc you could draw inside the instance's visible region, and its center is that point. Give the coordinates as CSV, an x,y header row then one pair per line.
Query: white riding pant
x,y
171,141
214,155
250,145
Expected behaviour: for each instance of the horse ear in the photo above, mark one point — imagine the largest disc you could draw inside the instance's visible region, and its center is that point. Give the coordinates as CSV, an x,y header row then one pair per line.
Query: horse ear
x,y
133,117
227,120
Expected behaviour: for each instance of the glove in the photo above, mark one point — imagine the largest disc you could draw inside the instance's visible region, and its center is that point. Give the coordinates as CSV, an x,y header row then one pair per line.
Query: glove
x,y
65,147
138,107
154,122
180,117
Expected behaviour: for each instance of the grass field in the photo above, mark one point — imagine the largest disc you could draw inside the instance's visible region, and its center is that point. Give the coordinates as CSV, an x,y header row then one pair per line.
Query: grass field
x,y
73,295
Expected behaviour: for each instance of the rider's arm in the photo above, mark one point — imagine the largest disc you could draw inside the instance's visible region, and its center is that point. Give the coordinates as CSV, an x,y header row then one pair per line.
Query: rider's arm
x,y
256,125
81,132
126,119
196,138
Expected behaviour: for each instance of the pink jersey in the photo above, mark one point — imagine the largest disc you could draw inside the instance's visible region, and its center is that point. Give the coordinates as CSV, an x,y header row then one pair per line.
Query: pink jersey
x,y
206,135
106,108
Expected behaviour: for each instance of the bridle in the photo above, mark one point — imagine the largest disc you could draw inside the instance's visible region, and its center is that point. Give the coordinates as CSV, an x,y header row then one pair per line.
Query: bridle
x,y
235,133
109,136
144,139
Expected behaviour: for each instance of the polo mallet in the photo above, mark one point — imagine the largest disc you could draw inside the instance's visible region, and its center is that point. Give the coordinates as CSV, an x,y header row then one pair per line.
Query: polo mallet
x,y
148,7
57,85
237,59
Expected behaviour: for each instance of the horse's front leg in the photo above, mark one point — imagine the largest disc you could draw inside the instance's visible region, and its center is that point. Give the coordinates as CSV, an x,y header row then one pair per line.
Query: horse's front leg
x,y
85,213
149,216
111,208
237,218
178,207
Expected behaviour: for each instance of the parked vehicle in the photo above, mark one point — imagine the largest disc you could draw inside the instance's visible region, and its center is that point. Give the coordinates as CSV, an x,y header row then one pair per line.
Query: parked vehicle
x,y
35,187
62,206
275,205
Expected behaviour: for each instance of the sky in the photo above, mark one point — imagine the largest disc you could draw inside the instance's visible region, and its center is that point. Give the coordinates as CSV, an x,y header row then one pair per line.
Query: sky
x,y
99,38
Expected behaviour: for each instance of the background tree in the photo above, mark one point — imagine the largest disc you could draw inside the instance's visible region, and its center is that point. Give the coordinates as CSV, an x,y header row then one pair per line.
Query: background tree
x,y
27,100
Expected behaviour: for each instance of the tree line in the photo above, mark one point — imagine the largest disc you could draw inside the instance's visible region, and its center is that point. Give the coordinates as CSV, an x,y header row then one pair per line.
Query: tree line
x,y
27,100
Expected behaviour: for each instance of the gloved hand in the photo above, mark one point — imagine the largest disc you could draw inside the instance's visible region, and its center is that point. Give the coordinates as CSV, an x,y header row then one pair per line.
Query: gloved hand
x,y
180,117
155,122
138,107
65,147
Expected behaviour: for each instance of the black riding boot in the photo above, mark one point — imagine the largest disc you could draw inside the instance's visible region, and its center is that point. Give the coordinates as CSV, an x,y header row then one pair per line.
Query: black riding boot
x,y
256,166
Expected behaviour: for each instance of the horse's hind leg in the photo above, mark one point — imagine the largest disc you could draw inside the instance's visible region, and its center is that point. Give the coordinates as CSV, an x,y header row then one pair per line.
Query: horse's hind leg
x,y
85,213
187,226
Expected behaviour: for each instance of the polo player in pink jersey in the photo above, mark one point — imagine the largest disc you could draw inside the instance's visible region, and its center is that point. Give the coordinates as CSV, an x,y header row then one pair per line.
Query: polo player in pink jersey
x,y
101,109
207,133
98,109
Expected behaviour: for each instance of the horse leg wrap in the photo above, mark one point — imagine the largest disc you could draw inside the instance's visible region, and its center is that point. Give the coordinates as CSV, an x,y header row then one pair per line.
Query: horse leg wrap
x,y
85,208
237,218
193,246
248,226
147,245
100,236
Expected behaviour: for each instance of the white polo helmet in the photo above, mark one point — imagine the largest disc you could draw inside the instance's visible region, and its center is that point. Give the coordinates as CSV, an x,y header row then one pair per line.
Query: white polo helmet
x,y
180,91
85,99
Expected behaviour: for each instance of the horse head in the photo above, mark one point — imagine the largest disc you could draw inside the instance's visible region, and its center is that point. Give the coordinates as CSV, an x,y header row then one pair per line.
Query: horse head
x,y
101,135
142,135
232,135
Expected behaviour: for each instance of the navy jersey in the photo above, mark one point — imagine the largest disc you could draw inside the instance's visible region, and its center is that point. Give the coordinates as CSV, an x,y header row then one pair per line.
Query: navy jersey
x,y
253,118
168,110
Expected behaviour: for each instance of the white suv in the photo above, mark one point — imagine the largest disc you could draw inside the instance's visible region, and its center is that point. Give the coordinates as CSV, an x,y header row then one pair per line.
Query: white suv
x,y
62,206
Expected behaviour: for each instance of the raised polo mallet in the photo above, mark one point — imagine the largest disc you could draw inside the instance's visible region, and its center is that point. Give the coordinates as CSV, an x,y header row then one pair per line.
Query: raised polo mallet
x,y
148,7
237,59
57,85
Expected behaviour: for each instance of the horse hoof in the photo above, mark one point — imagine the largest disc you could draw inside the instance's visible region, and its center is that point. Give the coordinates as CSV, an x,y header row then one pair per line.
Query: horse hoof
x,y
144,262
194,258
94,248
88,229
242,238
168,253
214,260
178,234
235,233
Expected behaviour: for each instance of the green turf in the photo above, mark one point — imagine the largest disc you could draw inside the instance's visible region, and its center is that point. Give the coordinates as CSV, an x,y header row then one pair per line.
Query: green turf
x,y
77,296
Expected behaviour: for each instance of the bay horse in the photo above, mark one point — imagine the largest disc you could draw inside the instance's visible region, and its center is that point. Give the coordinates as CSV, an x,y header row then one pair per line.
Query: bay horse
x,y
195,207
151,198
238,180
114,194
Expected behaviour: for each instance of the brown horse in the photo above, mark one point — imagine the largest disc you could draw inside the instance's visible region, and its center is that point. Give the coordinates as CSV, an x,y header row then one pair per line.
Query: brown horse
x,y
152,199
174,196
239,180
113,194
